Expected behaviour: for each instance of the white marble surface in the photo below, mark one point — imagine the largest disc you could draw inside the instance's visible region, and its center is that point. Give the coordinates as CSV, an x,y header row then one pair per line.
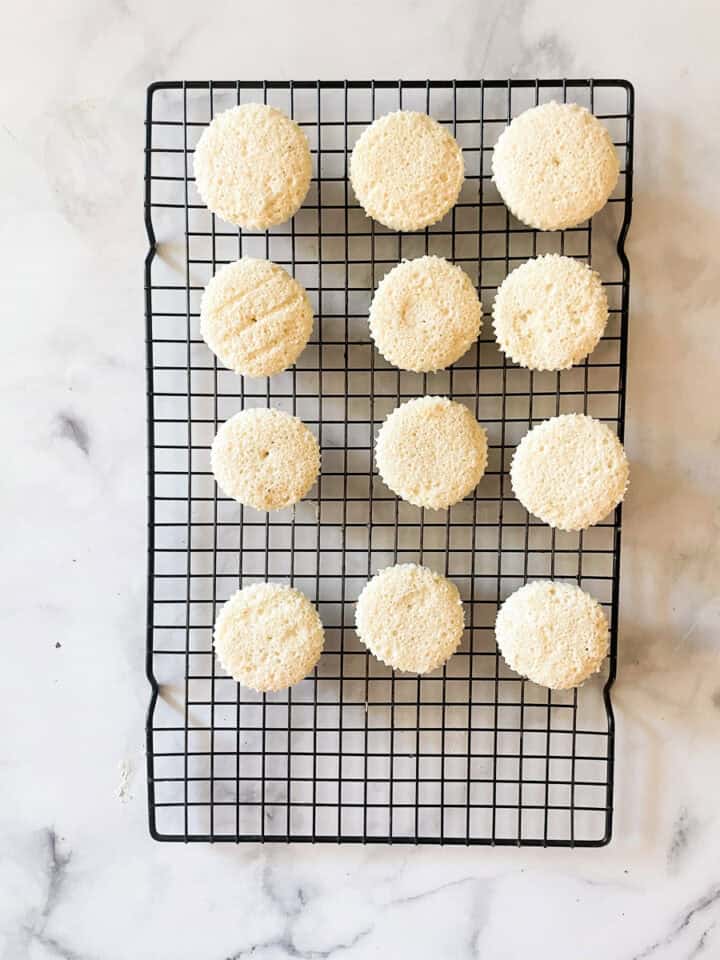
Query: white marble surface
x,y
79,877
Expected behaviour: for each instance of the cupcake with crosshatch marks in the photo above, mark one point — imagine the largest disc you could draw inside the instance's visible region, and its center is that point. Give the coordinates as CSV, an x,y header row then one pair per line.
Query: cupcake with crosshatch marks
x,y
252,166
555,166
255,317
406,170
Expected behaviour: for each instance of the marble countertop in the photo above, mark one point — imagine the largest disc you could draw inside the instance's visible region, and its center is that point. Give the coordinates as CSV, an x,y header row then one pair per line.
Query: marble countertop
x,y
79,876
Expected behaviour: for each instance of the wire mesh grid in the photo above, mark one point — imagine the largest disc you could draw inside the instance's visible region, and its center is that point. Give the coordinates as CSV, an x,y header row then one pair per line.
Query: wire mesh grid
x,y
357,752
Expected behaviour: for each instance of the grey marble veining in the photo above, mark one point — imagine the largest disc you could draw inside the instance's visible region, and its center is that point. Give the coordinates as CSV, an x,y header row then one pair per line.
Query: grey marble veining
x,y
79,877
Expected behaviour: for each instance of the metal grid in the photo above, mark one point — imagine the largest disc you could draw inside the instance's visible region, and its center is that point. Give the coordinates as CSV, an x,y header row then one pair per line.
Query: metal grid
x,y
357,752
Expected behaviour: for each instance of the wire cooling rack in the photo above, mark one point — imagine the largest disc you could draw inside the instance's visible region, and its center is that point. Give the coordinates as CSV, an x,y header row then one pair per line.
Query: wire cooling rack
x,y
358,753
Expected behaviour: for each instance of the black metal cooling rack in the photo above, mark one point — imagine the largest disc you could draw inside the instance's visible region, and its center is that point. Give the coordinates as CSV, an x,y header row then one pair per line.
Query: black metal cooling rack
x,y
357,752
